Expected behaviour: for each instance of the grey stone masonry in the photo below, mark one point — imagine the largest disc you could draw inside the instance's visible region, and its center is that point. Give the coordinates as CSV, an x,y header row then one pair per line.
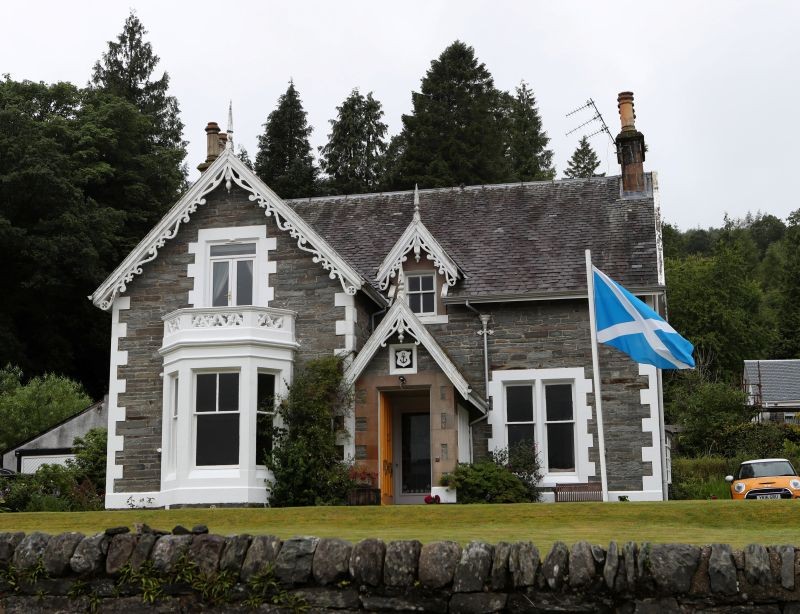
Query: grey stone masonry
x,y
332,574
299,284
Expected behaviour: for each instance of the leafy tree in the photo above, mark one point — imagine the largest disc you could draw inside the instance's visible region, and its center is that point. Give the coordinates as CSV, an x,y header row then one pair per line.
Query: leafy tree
x,y
789,345
527,142
147,147
584,161
284,161
765,229
305,464
245,158
455,132
353,156
90,457
673,241
26,409
704,409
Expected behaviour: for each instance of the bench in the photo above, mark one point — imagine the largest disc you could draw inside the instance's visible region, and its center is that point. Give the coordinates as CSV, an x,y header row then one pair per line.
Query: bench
x,y
589,491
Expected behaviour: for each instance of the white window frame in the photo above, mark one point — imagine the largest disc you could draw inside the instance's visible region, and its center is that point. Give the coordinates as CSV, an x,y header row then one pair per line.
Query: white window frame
x,y
196,414
409,292
233,272
202,269
581,412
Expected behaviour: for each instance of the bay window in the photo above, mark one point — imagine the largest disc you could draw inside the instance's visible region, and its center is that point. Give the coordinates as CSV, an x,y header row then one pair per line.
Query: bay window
x,y
217,419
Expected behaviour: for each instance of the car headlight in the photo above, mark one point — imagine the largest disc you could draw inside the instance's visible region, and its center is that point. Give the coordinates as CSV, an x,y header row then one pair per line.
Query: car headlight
x,y
738,487
794,484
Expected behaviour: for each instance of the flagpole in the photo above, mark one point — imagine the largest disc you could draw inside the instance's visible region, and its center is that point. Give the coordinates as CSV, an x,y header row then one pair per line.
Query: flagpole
x,y
598,402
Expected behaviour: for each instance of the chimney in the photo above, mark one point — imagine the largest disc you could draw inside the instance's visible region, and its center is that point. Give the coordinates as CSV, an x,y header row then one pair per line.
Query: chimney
x,y
630,146
212,145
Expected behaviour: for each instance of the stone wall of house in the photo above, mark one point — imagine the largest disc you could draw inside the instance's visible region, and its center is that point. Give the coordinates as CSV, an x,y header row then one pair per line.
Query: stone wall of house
x,y
118,571
537,335
300,285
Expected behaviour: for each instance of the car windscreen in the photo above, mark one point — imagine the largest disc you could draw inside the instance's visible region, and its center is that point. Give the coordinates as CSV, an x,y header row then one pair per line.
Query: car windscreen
x,y
765,470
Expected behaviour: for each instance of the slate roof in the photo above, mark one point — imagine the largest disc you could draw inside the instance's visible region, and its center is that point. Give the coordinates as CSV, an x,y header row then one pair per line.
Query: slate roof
x,y
509,239
780,379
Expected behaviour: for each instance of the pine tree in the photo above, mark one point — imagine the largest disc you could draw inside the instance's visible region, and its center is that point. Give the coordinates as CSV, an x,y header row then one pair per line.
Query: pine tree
x,y
455,132
284,161
353,156
583,162
126,70
527,143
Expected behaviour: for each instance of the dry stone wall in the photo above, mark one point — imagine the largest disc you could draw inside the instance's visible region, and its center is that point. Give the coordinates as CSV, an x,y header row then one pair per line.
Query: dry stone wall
x,y
188,571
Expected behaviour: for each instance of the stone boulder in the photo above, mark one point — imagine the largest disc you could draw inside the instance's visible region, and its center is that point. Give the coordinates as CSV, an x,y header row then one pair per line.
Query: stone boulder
x,y
581,565
59,551
262,553
523,563
168,550
30,550
672,567
722,570
366,562
8,544
206,551
90,556
473,570
234,553
331,561
556,566
294,561
401,562
501,576
119,552
437,563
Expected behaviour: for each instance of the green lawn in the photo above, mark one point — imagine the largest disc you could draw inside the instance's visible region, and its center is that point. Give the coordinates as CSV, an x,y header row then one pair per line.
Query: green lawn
x,y
699,522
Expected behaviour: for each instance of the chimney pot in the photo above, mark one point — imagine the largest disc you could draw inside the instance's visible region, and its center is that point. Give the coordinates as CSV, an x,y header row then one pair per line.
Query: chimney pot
x,y
212,146
630,146
627,115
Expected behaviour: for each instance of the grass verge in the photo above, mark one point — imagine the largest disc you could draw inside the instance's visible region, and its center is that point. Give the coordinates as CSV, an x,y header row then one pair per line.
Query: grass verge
x,y
697,522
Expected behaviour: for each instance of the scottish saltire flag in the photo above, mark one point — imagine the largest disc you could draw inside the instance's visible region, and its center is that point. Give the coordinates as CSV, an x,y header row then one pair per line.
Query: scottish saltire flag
x,y
629,325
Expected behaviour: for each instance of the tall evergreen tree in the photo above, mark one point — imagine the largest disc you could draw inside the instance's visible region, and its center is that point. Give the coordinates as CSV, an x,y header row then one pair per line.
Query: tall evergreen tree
x,y
146,172
584,161
455,132
284,161
527,142
353,156
789,317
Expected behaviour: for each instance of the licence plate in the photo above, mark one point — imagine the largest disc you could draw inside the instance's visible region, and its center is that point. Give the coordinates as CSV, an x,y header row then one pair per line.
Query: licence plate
x,y
772,496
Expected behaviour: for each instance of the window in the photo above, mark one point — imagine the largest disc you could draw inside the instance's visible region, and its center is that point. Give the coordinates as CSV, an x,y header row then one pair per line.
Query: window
x,y
550,407
421,294
173,425
232,274
217,419
265,411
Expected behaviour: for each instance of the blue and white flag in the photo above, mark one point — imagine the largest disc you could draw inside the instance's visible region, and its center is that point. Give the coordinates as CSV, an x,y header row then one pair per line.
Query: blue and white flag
x,y
629,325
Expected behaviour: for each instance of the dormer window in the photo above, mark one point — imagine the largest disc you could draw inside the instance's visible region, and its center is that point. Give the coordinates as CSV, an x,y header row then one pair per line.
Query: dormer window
x,y
422,294
232,274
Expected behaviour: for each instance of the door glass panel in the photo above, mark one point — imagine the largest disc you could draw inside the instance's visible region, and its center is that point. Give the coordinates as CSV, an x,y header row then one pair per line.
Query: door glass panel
x,y
416,448
244,282
220,285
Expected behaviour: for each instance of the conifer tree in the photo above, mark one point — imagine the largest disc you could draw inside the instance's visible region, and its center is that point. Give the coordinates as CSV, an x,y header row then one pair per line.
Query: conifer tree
x,y
584,161
455,132
527,142
284,161
353,156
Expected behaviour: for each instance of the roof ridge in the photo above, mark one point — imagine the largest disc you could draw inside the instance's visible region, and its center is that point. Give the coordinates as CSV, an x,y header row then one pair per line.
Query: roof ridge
x,y
476,187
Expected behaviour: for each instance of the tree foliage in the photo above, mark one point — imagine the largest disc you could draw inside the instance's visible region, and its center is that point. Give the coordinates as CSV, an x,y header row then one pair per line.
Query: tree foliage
x,y
584,161
28,408
284,160
529,158
454,134
305,464
353,156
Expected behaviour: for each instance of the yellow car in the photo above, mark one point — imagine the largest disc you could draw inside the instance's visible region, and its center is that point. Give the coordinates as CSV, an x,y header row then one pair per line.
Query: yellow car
x,y
765,478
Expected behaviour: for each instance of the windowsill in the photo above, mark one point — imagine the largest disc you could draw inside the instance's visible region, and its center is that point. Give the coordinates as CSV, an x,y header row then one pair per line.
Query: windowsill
x,y
433,319
223,471
551,479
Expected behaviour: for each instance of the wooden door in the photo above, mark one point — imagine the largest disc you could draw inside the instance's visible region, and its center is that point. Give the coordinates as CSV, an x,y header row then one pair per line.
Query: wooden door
x,y
385,456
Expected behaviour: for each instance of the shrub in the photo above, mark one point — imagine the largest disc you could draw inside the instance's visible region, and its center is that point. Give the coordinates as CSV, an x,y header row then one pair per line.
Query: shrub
x,y
305,464
757,439
702,477
53,488
522,460
486,482
90,458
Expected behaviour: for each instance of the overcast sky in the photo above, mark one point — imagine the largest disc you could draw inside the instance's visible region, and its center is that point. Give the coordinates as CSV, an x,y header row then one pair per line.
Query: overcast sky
x,y
716,84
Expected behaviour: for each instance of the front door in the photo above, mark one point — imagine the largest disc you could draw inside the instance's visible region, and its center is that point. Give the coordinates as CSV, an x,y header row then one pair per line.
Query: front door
x,y
385,455
415,456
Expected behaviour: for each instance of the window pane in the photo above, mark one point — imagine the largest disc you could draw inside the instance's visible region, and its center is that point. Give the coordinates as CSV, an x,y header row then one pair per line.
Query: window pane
x,y
266,392
561,447
233,249
427,282
228,392
519,404
558,400
219,296
518,433
263,437
416,452
413,284
206,399
427,303
217,439
415,302
244,282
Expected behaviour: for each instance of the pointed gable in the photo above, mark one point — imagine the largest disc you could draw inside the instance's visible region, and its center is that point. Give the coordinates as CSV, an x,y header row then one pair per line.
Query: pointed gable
x,y
417,238
228,170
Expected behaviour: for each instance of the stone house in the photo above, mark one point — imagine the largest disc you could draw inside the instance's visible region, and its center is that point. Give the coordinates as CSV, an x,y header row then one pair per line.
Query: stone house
x,y
462,313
